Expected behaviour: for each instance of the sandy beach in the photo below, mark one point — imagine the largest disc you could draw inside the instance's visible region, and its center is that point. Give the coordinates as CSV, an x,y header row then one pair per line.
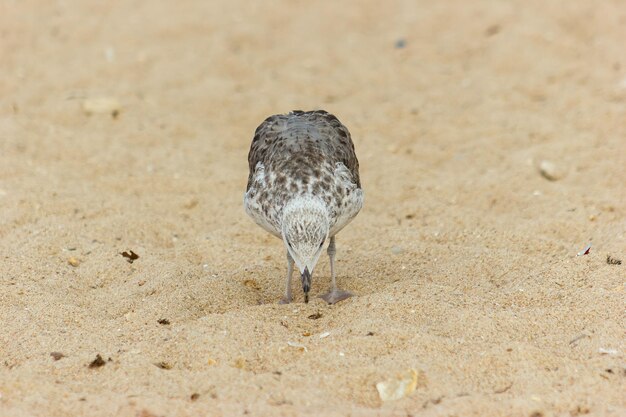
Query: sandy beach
x,y
492,142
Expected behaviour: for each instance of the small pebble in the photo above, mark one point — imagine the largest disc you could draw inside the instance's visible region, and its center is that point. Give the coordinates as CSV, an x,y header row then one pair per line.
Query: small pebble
x,y
400,43
550,171
250,283
109,54
102,105
73,261
191,204
163,365
397,250
240,363
398,387
298,346
492,30
98,362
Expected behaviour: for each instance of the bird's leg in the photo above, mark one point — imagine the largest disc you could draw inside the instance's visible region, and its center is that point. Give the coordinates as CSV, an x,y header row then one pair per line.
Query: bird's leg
x,y
287,298
335,294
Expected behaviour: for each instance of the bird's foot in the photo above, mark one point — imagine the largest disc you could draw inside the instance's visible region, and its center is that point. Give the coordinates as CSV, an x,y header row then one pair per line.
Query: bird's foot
x,y
285,300
336,295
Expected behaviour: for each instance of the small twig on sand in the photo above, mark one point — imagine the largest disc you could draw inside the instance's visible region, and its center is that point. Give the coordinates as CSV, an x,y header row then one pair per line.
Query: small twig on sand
x,y
577,338
612,261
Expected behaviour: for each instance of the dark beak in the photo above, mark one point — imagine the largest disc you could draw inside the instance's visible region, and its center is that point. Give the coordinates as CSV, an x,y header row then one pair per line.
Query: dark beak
x,y
306,284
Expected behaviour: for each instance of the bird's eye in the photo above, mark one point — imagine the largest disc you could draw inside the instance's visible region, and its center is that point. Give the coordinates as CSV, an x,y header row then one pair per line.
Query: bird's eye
x,y
321,244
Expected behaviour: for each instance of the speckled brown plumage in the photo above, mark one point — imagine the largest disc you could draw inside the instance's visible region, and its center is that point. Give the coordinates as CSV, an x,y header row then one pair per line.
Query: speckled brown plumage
x,y
309,136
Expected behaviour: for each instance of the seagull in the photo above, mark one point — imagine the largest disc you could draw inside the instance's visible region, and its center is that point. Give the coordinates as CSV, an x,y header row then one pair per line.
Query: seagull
x,y
303,188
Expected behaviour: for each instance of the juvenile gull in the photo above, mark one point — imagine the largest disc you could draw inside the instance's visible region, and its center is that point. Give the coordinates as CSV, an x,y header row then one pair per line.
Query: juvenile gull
x,y
304,188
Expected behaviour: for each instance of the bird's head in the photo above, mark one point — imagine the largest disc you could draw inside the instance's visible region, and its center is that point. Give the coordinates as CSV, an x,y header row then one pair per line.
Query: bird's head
x,y
305,228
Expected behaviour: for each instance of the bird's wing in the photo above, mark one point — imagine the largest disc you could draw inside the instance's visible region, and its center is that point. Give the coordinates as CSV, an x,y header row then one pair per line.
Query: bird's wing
x,y
266,134
336,140
333,137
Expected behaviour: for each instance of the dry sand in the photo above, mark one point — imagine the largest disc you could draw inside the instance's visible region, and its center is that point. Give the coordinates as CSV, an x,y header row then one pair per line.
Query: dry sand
x,y
463,258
